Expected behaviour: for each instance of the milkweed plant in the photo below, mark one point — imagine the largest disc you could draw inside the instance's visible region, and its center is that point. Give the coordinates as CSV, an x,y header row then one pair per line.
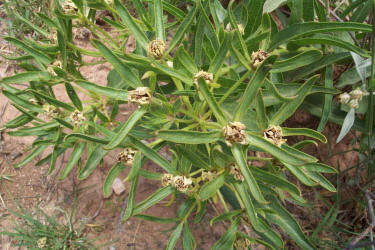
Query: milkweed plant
x,y
213,86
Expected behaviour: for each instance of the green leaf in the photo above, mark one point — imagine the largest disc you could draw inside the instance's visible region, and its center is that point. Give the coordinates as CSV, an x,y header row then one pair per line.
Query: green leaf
x,y
188,241
301,29
286,221
136,166
22,102
189,137
346,125
111,176
92,162
320,167
86,138
221,54
156,219
173,73
131,199
131,25
262,119
182,29
53,101
174,237
329,40
78,150
25,77
153,199
288,109
193,156
207,95
153,155
253,86
248,203
211,187
298,154
73,96
227,240
319,178
327,106
300,174
186,61
125,72
225,216
125,128
295,62
274,150
247,174
159,24
31,156
39,56
117,94
304,131
271,5
275,180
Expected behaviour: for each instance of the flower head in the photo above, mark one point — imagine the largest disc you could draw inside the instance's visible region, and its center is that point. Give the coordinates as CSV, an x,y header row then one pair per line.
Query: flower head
x,y
156,49
354,103
236,172
257,58
69,7
242,243
166,179
208,175
344,98
127,156
275,135
140,95
50,111
208,77
42,242
234,132
240,28
182,183
77,117
358,93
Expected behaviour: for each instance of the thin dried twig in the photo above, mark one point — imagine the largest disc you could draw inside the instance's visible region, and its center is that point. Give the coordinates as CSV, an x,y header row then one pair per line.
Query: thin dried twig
x,y
124,204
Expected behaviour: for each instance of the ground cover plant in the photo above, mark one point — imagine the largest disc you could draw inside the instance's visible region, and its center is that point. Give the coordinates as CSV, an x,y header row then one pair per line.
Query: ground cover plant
x,y
213,84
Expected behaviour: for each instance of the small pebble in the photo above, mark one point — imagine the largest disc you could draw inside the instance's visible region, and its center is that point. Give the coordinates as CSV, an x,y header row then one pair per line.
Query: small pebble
x,y
118,186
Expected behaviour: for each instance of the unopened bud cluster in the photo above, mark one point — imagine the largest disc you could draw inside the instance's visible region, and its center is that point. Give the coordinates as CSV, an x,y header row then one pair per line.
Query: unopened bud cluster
x,y
208,77
353,97
275,135
156,49
127,156
140,95
77,117
257,58
208,175
234,132
236,172
240,28
50,111
180,182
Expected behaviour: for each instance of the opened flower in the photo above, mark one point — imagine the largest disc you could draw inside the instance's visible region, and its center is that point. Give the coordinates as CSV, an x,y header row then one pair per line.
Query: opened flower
x,y
182,183
236,172
208,77
127,156
275,135
235,133
140,95
77,117
257,58
166,180
156,49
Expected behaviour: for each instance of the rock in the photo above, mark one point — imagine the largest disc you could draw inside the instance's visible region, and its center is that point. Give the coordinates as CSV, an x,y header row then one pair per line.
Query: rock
x,y
118,186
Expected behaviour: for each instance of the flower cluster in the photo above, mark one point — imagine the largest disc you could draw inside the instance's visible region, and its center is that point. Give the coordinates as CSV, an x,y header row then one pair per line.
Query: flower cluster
x,y
140,95
257,58
50,111
208,77
127,156
240,28
242,243
156,49
69,7
56,63
77,117
236,172
180,182
275,135
234,132
353,98
208,175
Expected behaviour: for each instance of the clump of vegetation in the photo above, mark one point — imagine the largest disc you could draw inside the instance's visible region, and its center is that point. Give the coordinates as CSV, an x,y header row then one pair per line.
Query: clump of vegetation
x,y
213,86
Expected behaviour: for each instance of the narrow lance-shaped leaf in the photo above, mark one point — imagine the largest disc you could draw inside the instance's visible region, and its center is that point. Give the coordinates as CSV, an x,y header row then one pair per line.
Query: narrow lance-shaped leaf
x,y
133,27
327,106
92,162
295,62
73,96
221,54
125,129
125,72
346,125
253,86
211,187
246,172
181,30
111,176
131,199
189,137
136,166
117,94
287,109
78,150
226,241
304,131
31,156
175,236
53,101
25,77
159,24
249,206
214,106
153,199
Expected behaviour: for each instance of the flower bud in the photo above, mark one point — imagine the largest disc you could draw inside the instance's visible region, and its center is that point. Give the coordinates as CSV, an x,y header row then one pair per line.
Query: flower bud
x,y
182,183
140,95
127,156
166,180
77,117
275,135
353,103
208,77
236,172
344,98
234,132
257,58
156,49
